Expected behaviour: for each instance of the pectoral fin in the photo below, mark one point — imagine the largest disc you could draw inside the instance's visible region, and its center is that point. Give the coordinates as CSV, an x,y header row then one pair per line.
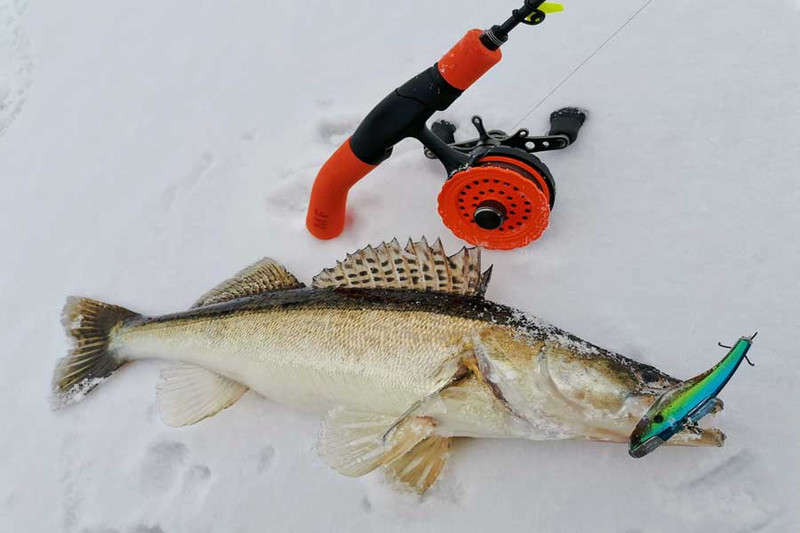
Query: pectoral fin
x,y
423,405
473,363
495,369
187,394
353,443
356,443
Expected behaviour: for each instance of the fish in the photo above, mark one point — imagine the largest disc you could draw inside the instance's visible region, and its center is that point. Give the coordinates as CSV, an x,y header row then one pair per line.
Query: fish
x,y
683,405
397,348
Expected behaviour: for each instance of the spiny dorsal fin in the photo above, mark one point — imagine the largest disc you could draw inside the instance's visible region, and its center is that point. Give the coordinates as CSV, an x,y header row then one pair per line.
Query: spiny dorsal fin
x,y
486,277
419,267
187,394
263,276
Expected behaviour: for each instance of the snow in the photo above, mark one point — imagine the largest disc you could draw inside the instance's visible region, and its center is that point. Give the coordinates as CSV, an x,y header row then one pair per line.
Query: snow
x,y
148,150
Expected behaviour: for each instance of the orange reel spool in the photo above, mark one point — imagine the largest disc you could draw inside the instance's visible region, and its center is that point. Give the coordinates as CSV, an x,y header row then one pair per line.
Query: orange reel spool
x,y
501,203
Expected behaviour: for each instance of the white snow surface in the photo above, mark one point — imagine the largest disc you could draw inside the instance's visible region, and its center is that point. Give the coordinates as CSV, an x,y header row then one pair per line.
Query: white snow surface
x,y
151,149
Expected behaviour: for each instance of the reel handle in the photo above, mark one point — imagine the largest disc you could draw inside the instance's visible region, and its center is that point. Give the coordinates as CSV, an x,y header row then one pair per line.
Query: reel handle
x,y
328,203
567,121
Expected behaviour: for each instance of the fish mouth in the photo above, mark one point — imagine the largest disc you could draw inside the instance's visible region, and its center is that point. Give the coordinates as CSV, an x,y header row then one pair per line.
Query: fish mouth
x,y
637,451
641,445
700,437
679,435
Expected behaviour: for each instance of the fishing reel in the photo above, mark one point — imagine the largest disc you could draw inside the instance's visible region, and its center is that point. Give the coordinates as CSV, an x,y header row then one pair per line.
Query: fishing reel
x,y
503,198
498,195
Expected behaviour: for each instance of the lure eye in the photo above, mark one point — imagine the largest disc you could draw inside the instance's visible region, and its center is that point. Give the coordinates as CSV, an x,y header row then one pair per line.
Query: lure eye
x,y
658,418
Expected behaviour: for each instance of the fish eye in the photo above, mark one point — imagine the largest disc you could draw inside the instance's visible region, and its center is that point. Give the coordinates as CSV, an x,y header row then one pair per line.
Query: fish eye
x,y
658,418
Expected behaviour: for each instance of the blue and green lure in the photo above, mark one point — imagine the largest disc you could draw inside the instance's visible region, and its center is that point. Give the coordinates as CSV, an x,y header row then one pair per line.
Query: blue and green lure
x,y
685,404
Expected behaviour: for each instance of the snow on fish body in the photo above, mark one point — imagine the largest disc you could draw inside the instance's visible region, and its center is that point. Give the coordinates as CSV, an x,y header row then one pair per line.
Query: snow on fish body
x,y
396,346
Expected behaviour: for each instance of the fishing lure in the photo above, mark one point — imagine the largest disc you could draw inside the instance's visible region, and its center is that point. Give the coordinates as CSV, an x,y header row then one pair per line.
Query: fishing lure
x,y
685,404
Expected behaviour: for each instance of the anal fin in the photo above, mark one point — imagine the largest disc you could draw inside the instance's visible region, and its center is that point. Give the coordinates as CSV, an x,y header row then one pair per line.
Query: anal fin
x,y
420,467
187,394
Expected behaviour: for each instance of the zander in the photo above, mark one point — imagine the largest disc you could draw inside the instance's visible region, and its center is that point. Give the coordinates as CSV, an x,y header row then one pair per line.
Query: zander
x,y
396,346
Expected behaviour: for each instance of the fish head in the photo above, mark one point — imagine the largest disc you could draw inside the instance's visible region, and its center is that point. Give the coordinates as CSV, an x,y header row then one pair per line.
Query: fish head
x,y
565,389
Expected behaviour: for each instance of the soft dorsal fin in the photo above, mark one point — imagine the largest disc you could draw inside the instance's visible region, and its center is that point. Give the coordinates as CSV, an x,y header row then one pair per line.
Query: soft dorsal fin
x,y
263,276
419,267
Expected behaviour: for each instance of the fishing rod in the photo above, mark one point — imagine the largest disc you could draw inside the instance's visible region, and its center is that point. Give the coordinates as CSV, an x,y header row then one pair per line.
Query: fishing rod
x,y
584,62
498,194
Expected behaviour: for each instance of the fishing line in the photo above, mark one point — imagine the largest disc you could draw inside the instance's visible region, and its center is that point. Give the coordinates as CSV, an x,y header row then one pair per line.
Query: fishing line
x,y
583,63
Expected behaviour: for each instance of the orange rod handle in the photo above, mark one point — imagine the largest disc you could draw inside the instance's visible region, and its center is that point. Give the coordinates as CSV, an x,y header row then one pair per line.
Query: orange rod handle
x,y
467,61
326,209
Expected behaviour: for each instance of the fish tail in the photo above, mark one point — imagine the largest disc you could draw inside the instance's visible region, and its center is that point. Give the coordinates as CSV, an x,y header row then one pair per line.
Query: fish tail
x,y
90,325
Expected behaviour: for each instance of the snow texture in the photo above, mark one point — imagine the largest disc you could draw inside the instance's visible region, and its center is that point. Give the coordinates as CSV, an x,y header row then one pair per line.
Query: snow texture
x,y
148,150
